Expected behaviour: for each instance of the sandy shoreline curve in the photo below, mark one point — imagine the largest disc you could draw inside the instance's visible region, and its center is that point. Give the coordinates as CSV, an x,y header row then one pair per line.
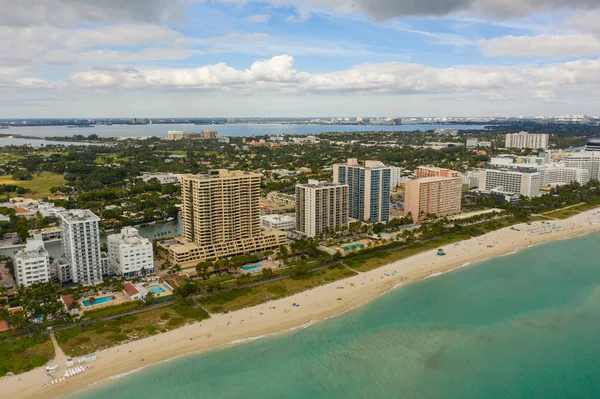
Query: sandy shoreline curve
x,y
317,304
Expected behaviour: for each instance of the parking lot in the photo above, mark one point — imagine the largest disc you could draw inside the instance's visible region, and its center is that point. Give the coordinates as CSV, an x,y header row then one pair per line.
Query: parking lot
x,y
6,279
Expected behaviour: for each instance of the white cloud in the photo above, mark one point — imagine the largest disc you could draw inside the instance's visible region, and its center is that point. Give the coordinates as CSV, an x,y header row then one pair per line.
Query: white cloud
x,y
278,75
541,46
71,12
388,9
585,21
302,16
56,45
259,18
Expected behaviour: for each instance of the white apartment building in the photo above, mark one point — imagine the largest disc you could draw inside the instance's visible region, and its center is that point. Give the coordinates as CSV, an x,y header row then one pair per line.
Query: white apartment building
x,y
588,160
521,180
471,178
81,246
553,174
163,178
129,253
396,177
321,207
283,222
32,263
472,142
526,140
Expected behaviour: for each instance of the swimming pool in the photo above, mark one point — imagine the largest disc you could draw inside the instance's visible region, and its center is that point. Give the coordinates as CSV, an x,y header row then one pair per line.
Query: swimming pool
x,y
246,268
353,246
156,289
99,301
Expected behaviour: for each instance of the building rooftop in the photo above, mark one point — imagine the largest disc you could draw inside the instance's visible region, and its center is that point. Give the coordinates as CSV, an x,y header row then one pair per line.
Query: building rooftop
x,y
221,174
130,289
436,179
79,215
320,184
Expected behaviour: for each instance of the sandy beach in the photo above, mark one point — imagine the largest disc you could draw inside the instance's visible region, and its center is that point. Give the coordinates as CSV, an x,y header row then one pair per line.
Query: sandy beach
x,y
279,316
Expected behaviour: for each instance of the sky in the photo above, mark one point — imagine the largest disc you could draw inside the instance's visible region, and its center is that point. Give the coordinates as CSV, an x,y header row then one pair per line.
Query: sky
x,y
286,58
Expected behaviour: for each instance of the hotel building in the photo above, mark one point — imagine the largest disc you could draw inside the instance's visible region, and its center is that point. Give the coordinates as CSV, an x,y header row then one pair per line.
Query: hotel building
x,y
129,253
81,247
32,263
519,180
221,217
321,207
369,187
526,140
438,192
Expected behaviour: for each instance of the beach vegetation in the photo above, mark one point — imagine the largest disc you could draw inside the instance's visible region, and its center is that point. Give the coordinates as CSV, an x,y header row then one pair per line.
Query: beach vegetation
x,y
26,353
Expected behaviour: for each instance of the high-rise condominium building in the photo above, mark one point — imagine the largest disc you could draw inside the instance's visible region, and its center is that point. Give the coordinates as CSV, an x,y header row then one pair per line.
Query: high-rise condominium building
x,y
129,254
438,192
32,263
221,217
81,246
526,140
321,207
369,187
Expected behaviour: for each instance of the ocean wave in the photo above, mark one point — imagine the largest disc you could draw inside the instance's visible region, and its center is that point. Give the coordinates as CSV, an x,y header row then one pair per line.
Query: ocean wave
x,y
241,341
116,377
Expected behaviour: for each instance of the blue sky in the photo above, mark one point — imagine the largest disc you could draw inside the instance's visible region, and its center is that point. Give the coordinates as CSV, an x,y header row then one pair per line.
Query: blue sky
x,y
144,58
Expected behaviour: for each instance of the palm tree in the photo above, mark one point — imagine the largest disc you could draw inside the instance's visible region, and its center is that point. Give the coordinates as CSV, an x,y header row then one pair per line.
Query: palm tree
x,y
92,301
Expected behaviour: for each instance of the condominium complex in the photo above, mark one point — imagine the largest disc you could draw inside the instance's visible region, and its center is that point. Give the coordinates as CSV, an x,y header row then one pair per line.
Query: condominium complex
x,y
32,263
321,207
220,216
438,192
369,187
397,176
588,160
81,247
525,176
129,254
179,135
526,140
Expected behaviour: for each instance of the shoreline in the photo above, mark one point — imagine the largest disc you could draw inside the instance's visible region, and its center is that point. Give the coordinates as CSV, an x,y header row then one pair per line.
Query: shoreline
x,y
277,317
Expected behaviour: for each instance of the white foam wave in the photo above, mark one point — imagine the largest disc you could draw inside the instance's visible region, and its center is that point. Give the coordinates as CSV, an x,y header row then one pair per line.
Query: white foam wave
x,y
241,341
116,377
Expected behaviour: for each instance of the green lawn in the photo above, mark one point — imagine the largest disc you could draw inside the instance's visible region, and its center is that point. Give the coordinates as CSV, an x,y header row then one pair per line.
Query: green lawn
x,y
567,213
24,354
40,185
245,297
111,310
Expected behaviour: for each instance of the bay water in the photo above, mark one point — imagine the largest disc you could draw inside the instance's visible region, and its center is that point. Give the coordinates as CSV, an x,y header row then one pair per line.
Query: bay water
x,y
524,325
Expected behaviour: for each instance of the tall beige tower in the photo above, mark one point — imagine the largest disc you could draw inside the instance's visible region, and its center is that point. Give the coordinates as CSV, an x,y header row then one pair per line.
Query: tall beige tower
x,y
221,206
221,218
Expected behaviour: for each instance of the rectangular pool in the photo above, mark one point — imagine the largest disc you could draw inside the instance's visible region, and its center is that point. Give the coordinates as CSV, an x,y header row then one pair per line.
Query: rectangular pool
x,y
354,246
156,289
247,268
99,301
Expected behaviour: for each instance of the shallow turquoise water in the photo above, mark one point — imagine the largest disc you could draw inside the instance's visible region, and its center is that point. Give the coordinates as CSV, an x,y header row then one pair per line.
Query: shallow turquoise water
x,y
520,326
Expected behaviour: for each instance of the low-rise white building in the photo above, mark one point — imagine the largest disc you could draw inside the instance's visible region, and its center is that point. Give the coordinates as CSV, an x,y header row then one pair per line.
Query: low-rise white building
x,y
284,222
163,178
32,263
129,253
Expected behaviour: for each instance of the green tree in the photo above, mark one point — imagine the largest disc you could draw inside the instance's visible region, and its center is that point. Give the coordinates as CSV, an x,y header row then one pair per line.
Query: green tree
x,y
149,298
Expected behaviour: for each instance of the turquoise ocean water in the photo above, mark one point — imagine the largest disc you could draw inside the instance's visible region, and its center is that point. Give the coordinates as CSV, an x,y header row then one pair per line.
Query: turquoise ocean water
x,y
521,326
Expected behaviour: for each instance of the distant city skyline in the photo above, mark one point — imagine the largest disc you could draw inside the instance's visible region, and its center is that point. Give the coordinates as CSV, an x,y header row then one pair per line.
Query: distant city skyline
x,y
292,58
